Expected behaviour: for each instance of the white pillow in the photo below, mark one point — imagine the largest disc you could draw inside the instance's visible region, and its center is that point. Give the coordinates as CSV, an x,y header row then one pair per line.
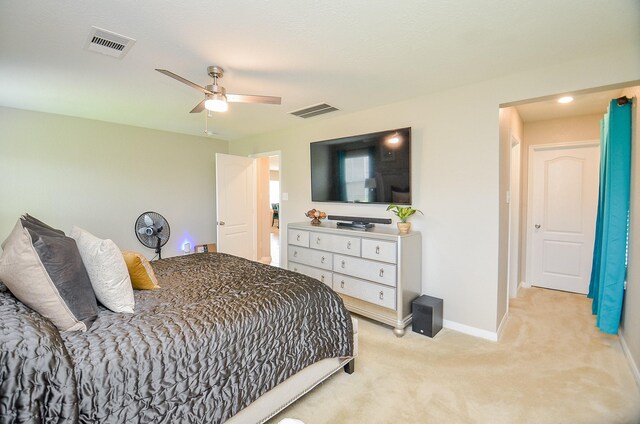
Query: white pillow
x,y
107,270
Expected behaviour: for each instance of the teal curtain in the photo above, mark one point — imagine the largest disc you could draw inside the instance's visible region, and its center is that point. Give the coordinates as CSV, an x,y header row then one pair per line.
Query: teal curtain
x,y
609,265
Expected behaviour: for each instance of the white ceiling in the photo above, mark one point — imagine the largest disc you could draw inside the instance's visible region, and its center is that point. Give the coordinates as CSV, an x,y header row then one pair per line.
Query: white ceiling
x,y
353,54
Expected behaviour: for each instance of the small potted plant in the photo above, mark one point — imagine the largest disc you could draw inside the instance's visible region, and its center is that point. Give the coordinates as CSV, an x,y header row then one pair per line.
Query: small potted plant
x,y
403,213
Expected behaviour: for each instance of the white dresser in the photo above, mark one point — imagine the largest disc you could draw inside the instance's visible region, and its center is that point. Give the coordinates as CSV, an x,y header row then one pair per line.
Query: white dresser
x,y
376,272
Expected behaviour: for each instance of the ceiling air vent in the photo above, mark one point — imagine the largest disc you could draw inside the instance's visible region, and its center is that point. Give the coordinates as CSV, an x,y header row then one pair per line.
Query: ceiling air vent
x,y
107,42
316,110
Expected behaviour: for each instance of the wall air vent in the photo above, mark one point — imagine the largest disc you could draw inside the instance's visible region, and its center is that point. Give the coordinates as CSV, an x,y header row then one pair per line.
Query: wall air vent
x,y
316,110
108,43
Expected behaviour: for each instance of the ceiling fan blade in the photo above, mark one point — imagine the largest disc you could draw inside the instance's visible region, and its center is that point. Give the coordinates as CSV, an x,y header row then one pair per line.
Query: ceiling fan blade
x,y
148,221
199,108
248,98
184,81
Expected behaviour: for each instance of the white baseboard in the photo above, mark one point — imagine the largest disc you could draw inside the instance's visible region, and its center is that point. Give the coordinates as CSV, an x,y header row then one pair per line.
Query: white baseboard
x,y
632,364
472,331
502,325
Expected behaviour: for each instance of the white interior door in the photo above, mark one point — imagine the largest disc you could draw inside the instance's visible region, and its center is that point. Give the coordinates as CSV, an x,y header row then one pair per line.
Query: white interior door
x,y
563,206
236,205
514,219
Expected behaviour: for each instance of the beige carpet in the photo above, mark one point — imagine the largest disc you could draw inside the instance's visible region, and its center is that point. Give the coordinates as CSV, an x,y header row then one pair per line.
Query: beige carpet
x,y
551,366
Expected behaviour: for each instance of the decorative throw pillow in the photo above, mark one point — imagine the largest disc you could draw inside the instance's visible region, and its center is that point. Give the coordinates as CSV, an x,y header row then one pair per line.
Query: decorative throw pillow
x,y
107,270
140,271
44,270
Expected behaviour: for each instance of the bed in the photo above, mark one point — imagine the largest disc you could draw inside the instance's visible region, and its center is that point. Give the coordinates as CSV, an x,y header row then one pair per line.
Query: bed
x,y
224,340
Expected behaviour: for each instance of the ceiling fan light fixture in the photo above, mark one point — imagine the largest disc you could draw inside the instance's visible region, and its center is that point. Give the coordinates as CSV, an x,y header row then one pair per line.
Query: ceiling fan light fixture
x,y
216,102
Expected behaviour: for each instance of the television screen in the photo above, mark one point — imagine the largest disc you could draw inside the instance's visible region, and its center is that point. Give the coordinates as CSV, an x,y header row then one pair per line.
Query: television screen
x,y
368,168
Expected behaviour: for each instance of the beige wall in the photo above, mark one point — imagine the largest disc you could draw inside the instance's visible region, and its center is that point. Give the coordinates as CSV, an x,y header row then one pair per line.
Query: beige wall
x,y
101,176
631,312
456,173
510,124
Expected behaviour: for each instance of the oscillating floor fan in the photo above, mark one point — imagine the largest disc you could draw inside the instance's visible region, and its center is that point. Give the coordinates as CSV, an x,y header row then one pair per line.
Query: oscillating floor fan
x,y
153,231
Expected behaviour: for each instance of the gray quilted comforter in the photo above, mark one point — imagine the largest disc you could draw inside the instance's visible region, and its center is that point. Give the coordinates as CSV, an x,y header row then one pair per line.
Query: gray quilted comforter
x,y
220,332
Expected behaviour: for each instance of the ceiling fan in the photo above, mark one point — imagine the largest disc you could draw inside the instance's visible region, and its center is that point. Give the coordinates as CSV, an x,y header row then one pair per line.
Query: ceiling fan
x,y
215,96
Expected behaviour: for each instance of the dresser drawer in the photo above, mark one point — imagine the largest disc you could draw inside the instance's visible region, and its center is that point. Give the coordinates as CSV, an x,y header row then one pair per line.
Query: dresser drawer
x,y
374,293
300,255
298,238
319,274
334,243
369,270
311,257
379,250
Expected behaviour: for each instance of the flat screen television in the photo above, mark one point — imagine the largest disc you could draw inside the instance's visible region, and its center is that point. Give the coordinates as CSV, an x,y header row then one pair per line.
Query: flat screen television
x,y
367,168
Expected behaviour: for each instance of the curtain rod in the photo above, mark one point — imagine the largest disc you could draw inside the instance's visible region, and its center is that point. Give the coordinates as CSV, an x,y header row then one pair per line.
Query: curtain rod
x,y
623,100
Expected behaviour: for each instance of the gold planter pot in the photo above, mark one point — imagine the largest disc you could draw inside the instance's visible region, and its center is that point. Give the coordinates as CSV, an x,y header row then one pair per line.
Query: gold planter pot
x,y
404,227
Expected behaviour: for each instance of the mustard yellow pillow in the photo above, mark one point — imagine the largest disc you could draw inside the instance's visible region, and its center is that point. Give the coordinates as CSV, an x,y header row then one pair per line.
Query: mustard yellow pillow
x,y
140,271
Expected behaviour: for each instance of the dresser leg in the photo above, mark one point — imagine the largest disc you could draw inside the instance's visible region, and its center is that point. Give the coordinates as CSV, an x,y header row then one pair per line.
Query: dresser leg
x,y
399,332
350,366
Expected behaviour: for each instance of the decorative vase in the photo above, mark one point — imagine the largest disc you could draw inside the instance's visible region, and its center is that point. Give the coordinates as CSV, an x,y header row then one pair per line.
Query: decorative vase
x,y
316,221
315,215
404,227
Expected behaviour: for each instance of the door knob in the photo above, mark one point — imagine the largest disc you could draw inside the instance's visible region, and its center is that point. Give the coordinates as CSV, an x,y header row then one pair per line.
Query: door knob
x,y
537,226
220,222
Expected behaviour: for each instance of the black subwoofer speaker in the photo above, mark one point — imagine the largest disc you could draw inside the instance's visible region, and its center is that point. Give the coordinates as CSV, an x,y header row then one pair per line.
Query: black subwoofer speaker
x,y
427,315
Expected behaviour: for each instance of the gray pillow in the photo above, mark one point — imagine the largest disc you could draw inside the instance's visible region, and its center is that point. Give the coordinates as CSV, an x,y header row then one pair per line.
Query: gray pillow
x,y
43,269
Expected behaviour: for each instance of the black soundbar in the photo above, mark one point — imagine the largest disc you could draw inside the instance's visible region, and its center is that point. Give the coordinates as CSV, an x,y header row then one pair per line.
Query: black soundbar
x,y
360,219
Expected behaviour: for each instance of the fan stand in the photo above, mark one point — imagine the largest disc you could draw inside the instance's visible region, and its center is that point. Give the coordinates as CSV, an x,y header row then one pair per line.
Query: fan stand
x,y
158,249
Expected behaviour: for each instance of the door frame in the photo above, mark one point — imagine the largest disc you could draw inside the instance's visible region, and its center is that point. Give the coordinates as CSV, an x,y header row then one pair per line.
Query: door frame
x,y
529,221
513,253
268,154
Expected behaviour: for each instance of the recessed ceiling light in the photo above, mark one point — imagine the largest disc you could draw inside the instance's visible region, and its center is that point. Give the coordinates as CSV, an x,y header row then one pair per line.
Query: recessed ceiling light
x,y
565,99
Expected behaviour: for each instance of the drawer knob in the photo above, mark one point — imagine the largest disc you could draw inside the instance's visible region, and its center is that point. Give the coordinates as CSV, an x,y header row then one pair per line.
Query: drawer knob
x,y
298,237
377,250
322,278
342,284
348,245
382,272
381,295
342,264
318,240
295,254
295,269
322,260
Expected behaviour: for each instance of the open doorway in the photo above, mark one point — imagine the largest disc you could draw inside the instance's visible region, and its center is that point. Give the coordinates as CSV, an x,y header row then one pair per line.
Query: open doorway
x,y
545,124
274,201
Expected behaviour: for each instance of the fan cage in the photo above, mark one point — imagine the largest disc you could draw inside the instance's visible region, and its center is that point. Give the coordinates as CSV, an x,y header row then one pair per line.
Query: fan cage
x,y
151,241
